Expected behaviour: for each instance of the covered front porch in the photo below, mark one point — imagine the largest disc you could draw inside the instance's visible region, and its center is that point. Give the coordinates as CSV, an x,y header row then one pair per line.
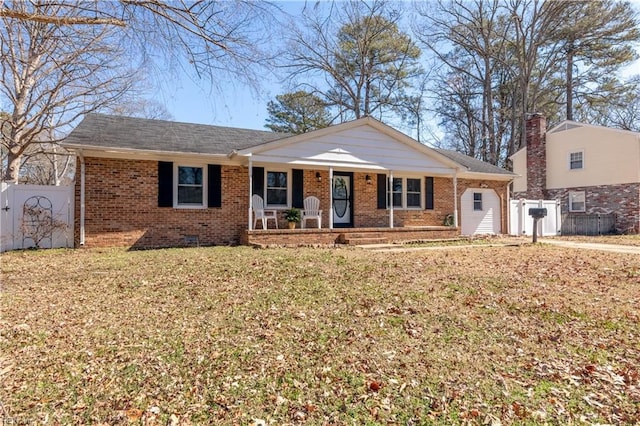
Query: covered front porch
x,y
367,177
346,236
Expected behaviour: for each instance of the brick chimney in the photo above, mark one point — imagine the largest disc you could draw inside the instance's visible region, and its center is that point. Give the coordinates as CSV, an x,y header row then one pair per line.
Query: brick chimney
x,y
536,128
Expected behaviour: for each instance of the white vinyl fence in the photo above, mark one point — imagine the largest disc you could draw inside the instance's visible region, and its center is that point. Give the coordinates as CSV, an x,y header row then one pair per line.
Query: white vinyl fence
x,y
520,223
35,216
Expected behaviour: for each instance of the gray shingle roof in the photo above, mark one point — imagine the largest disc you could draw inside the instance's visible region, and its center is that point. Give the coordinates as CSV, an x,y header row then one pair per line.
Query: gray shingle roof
x,y
119,132
473,164
111,131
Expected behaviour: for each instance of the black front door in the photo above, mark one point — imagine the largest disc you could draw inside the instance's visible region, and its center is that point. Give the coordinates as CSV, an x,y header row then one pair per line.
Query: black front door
x,y
342,193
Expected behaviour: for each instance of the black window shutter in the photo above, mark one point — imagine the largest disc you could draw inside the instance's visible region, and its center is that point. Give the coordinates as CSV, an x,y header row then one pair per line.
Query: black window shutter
x,y
382,191
165,184
297,185
214,190
258,181
428,191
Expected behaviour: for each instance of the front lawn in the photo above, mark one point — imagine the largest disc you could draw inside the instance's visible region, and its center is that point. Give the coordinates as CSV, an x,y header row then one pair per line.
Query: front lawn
x,y
494,335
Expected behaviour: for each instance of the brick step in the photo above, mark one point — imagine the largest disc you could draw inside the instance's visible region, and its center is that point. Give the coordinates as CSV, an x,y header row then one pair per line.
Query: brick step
x,y
355,235
362,239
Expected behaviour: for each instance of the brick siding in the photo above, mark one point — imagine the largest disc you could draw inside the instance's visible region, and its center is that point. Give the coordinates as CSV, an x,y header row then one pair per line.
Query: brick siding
x,y
622,200
536,129
121,199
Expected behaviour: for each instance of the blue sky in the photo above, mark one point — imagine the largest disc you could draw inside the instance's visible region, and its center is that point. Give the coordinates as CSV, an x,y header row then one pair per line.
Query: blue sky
x,y
193,102
237,106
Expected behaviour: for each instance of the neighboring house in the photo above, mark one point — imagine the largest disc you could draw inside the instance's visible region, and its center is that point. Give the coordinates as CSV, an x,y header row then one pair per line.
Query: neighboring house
x,y
592,170
149,183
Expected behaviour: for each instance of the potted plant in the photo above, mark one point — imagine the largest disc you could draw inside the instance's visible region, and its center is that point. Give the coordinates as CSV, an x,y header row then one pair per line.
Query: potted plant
x,y
293,216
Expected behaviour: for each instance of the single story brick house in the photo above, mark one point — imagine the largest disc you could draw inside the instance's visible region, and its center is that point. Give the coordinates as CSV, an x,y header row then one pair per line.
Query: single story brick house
x,y
148,183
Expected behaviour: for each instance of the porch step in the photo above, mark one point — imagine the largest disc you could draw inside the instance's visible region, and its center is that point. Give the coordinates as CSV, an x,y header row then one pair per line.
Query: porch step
x,y
360,239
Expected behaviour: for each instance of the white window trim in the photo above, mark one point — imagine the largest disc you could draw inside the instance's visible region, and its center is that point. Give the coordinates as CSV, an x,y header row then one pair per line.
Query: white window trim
x,y
580,151
289,173
404,193
205,180
584,202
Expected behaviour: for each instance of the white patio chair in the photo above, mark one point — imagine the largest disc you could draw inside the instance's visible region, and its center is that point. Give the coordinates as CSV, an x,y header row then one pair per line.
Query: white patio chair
x,y
311,211
260,213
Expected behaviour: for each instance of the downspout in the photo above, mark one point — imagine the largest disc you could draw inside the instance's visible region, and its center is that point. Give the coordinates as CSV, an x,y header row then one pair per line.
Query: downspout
x,y
390,199
508,212
82,197
330,197
455,199
250,225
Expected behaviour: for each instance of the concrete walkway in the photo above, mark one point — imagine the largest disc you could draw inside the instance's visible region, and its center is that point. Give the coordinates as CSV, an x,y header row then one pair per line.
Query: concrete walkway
x,y
516,242
593,246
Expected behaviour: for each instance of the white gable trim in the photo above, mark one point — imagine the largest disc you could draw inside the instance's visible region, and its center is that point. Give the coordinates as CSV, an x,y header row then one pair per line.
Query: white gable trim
x,y
570,125
348,152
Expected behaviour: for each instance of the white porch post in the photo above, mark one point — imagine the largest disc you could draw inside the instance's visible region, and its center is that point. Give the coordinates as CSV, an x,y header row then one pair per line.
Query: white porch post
x,y
390,198
330,197
82,197
250,195
455,199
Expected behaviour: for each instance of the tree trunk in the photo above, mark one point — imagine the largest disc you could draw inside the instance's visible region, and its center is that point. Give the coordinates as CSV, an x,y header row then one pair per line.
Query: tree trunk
x,y
570,81
13,167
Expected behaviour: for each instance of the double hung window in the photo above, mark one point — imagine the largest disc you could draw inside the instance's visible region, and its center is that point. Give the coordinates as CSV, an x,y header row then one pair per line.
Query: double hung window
x,y
190,186
576,160
577,201
277,188
477,201
406,193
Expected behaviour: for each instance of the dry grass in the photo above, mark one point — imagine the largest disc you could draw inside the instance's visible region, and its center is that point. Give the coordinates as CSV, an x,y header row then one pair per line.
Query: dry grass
x,y
512,335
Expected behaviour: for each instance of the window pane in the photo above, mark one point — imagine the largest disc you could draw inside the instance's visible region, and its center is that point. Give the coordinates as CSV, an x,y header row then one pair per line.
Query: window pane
x,y
575,159
190,175
397,199
396,192
414,192
276,179
413,200
277,188
413,185
577,201
477,201
189,195
277,196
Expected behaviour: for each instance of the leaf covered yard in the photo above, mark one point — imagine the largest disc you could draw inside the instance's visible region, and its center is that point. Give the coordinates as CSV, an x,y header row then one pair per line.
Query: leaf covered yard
x,y
482,335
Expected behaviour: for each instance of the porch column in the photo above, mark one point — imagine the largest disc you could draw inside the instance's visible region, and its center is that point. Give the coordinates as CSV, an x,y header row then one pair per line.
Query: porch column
x,y
455,199
390,198
82,197
250,195
330,197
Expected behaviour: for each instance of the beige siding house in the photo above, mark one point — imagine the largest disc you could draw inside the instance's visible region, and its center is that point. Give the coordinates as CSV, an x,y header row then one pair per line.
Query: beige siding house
x,y
590,169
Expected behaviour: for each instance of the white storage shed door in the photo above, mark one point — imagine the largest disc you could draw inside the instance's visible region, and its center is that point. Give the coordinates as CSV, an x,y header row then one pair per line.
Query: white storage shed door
x,y
480,212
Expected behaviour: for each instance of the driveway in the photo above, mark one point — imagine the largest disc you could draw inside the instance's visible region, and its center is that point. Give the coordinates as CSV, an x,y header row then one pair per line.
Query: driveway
x,y
515,242
593,246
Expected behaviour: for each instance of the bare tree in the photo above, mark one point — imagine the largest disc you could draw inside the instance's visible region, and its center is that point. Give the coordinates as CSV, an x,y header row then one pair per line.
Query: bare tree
x,y
141,107
51,75
64,59
356,58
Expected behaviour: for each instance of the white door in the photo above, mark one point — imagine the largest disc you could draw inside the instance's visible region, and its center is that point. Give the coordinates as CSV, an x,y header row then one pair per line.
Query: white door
x,y
480,212
341,190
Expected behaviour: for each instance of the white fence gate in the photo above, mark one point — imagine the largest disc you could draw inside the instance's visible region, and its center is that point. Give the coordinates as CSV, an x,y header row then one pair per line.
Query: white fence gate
x,y
35,216
520,223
